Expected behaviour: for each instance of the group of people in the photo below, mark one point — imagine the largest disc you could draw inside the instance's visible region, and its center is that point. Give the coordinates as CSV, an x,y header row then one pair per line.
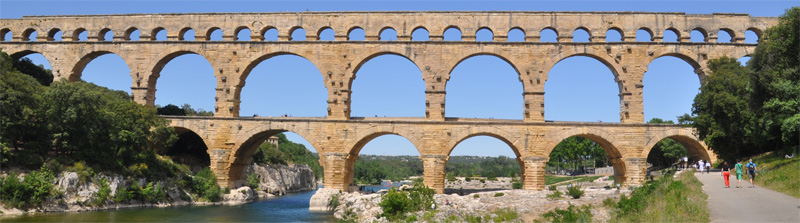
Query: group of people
x,y
702,165
752,170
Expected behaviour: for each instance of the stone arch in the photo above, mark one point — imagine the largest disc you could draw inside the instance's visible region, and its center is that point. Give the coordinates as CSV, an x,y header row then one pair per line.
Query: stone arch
x,y
322,29
380,32
619,30
212,30
185,135
101,36
686,137
51,35
85,59
364,136
350,31
494,132
649,31
603,138
682,54
242,155
3,33
730,33
675,31
582,28
264,30
603,57
76,35
453,63
491,39
129,31
16,55
524,34
372,55
158,63
155,32
182,33
460,32
759,33
418,28
255,61
26,35
702,31
198,128
239,29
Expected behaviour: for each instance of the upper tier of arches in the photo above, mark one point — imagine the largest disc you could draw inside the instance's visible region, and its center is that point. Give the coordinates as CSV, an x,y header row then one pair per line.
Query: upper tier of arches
x,y
499,24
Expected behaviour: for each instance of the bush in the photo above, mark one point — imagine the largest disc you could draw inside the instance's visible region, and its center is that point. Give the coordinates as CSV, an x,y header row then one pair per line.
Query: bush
x,y
555,195
153,194
85,173
498,194
483,180
333,203
396,203
253,181
476,196
450,177
468,179
571,214
505,215
103,194
34,189
575,192
122,195
204,184
516,184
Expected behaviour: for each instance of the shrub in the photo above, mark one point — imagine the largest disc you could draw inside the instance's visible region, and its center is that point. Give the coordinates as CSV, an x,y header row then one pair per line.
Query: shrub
x,y
498,194
505,215
571,214
103,194
483,180
31,191
476,196
472,218
153,194
204,184
396,203
575,192
122,195
253,181
468,179
451,177
555,195
333,203
411,218
516,184
492,179
84,172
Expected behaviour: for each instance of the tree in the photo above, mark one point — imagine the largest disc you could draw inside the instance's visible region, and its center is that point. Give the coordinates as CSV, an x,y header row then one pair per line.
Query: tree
x,y
171,109
26,66
21,117
775,84
723,119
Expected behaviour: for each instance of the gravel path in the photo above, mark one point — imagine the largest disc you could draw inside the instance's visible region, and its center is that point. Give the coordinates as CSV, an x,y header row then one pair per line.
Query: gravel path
x,y
747,204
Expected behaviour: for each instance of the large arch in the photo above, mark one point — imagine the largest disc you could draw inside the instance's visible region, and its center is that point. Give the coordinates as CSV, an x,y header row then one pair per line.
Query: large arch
x,y
603,138
670,86
184,151
515,112
683,54
161,62
686,137
560,82
485,136
306,76
399,94
77,70
242,156
365,137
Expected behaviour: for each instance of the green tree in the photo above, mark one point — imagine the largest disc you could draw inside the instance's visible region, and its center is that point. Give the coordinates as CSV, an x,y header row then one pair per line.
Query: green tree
x,y
189,111
171,109
723,119
21,116
42,75
775,84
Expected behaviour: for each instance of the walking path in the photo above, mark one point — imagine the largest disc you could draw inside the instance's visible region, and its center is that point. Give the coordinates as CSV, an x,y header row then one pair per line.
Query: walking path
x,y
747,204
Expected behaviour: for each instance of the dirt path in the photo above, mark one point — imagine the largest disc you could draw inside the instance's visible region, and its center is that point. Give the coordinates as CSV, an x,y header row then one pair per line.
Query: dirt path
x,y
747,204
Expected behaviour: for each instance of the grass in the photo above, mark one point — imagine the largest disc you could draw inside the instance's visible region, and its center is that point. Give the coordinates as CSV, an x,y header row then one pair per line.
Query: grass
x,y
777,173
664,200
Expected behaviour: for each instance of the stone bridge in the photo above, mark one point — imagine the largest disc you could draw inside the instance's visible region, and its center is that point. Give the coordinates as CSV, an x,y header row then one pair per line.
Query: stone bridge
x,y
339,137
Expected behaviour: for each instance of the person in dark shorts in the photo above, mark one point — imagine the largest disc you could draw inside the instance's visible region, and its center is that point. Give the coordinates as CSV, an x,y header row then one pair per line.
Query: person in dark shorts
x,y
752,171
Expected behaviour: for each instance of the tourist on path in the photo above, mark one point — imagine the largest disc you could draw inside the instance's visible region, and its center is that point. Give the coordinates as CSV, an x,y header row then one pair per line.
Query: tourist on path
x,y
738,168
752,171
702,165
726,173
708,167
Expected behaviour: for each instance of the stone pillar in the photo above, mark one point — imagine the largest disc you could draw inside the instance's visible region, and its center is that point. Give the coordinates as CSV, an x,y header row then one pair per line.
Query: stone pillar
x,y
522,168
372,38
631,100
635,171
468,38
619,170
434,170
503,38
435,80
403,37
534,173
220,164
534,106
142,95
336,172
337,76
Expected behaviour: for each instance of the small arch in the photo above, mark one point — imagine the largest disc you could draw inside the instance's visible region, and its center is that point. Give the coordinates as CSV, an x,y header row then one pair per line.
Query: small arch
x,y
158,34
516,35
484,34
29,35
452,33
725,36
326,34
671,35
242,33
548,34
420,34
55,34
6,35
644,35
270,34
698,35
132,34
388,34
356,33
614,35
186,34
696,148
752,35
452,146
297,34
214,34
581,34
105,35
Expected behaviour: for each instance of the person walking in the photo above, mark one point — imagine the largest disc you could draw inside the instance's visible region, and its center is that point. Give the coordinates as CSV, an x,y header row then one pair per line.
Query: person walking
x,y
726,173
752,171
685,162
702,165
738,168
708,167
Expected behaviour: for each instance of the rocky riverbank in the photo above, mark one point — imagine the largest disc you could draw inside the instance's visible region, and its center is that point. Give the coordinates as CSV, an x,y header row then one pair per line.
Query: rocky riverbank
x,y
529,205
75,194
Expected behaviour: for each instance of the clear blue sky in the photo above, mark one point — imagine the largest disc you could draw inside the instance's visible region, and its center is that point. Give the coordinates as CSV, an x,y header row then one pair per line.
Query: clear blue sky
x,y
578,88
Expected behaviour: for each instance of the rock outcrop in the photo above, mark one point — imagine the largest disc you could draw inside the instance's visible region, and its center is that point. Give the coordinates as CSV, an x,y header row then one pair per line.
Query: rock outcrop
x,y
320,201
279,179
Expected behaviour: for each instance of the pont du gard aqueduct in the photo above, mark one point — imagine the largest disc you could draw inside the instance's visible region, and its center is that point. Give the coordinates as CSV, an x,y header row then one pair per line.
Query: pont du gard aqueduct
x,y
338,137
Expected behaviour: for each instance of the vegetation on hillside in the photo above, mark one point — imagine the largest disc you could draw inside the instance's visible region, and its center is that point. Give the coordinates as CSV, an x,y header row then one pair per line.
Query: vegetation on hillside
x,y
743,111
288,152
778,173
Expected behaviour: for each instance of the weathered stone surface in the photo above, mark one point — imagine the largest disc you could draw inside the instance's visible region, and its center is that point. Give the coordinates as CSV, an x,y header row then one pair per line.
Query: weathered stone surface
x,y
320,200
281,179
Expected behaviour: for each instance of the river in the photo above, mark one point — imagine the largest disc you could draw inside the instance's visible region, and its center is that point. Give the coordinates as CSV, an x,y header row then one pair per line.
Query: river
x,y
287,208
